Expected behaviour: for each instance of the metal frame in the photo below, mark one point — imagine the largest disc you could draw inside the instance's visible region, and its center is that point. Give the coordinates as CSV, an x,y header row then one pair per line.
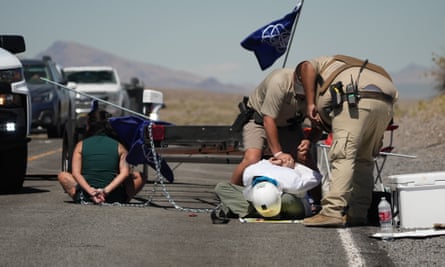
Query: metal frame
x,y
199,144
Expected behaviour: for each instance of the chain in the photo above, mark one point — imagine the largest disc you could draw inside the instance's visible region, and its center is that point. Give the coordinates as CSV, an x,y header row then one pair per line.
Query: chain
x,y
83,201
157,161
160,180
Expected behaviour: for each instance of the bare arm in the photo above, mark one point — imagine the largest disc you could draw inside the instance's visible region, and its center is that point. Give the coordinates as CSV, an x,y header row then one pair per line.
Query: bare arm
x,y
308,77
98,195
303,149
77,170
272,134
271,130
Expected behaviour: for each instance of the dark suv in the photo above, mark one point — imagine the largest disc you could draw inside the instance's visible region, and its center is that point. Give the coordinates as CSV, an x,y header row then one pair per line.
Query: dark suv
x,y
51,105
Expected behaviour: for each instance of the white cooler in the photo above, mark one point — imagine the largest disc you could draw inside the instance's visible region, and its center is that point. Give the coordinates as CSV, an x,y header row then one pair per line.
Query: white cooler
x,y
418,198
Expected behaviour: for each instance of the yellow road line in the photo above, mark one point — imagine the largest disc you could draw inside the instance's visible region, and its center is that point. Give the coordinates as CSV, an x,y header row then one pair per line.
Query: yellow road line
x,y
44,154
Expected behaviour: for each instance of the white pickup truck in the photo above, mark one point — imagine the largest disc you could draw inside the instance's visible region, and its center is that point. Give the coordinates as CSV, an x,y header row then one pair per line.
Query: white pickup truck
x,y
100,81
15,115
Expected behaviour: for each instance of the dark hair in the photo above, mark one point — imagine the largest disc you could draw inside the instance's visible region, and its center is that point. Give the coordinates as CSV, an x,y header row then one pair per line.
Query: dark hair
x,y
97,122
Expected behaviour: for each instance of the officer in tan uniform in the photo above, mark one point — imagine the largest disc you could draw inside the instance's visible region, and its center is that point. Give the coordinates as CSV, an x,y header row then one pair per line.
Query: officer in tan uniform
x,y
277,108
354,100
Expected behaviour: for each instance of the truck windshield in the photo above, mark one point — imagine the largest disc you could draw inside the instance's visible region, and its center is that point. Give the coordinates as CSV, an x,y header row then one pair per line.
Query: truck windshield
x,y
90,76
33,73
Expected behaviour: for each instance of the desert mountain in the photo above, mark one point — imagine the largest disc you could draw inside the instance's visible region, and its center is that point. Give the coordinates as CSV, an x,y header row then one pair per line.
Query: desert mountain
x,y
412,74
74,54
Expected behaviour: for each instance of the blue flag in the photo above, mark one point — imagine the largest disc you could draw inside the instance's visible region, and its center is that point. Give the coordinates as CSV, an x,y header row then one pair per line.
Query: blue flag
x,y
270,41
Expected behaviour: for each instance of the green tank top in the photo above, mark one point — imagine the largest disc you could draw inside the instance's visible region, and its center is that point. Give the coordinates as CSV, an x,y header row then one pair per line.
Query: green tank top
x,y
100,160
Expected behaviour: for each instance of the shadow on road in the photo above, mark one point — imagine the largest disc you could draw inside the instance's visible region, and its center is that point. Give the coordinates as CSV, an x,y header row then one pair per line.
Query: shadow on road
x,y
33,189
26,190
49,177
189,195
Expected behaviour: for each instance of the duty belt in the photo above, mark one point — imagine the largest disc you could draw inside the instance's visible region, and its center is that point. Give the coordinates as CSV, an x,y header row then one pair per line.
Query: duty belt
x,y
376,95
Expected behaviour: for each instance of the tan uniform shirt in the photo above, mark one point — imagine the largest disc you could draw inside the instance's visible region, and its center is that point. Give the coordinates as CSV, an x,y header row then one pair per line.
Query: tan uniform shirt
x,y
275,97
369,81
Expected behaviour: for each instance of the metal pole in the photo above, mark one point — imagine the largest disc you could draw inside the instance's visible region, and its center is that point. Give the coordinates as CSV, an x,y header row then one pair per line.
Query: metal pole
x,y
96,98
292,34
383,153
397,155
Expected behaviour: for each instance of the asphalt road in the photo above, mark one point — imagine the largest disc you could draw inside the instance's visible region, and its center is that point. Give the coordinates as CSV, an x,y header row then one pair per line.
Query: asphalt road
x,y
41,227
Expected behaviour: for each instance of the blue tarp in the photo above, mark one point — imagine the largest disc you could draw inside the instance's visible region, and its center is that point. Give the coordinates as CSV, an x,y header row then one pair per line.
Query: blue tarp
x,y
130,130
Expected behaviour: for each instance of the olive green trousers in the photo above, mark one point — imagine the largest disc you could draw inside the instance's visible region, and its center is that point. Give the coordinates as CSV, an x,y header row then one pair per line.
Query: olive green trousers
x,y
232,199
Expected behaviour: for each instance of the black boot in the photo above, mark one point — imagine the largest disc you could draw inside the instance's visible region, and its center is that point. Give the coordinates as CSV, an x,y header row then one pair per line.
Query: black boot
x,y
219,217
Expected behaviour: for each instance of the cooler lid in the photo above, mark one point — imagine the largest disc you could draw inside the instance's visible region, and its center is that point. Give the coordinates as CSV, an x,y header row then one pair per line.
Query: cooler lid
x,y
423,178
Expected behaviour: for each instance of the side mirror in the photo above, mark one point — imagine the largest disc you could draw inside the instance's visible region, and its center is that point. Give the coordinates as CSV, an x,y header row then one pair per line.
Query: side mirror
x,y
13,43
71,85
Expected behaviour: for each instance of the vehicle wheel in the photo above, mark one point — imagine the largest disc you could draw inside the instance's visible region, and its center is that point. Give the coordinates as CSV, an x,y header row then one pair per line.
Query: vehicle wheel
x,y
55,131
68,148
67,153
13,167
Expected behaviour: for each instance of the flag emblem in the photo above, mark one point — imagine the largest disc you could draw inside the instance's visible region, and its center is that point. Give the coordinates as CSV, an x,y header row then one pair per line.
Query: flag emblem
x,y
270,41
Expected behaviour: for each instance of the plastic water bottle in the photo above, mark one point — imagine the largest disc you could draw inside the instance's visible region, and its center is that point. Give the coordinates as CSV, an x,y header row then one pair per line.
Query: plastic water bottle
x,y
385,217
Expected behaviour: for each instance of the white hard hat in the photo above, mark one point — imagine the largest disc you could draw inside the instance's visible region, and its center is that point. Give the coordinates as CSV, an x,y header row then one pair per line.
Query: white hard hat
x,y
266,198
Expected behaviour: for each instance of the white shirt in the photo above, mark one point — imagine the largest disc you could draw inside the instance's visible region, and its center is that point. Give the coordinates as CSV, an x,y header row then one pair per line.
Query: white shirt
x,y
296,181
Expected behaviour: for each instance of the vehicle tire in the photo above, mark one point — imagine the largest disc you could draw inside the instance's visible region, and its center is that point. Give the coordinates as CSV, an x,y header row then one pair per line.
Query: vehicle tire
x,y
68,144
13,164
67,153
55,131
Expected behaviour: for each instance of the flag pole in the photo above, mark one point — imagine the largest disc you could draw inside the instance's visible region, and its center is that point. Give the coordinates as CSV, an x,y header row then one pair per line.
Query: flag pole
x,y
292,34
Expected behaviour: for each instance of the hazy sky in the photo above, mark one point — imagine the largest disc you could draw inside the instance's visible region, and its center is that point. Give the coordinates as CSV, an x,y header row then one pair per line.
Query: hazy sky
x,y
203,36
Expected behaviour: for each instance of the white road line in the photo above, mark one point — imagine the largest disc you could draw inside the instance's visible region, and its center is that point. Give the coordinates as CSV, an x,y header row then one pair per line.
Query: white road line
x,y
352,252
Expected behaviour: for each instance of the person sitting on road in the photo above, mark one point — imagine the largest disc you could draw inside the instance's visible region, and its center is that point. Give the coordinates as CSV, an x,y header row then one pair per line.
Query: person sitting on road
x,y
100,173
273,188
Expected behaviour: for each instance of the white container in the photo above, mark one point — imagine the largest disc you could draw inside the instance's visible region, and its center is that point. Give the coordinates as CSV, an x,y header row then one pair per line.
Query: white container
x,y
419,198
152,102
152,96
